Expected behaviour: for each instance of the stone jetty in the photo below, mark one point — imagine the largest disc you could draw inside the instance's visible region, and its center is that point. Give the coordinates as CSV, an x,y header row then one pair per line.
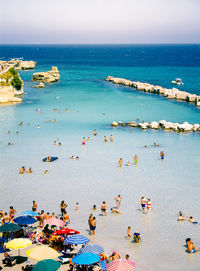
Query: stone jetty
x,y
47,77
173,93
162,124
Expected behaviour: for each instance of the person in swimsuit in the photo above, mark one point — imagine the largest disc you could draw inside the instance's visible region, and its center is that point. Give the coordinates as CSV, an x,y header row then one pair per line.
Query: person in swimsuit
x,y
77,206
48,159
115,211
128,232
149,205
5,219
63,206
103,208
111,138
137,237
135,159
93,226
12,213
118,200
89,223
105,139
83,141
181,217
30,170
190,246
22,170
120,162
95,133
143,202
34,207
94,207
162,155
66,218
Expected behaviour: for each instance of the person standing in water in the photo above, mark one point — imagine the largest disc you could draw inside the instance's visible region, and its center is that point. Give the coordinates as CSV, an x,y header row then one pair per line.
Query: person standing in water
x,y
118,200
135,159
111,138
162,155
143,202
105,139
149,205
63,206
83,141
103,208
12,213
34,207
93,225
95,133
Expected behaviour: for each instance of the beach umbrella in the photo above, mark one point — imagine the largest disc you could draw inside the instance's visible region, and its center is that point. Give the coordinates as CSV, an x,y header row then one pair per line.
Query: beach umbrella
x,y
40,253
122,265
18,243
103,265
30,213
25,220
47,265
65,231
55,221
77,239
96,249
10,227
86,258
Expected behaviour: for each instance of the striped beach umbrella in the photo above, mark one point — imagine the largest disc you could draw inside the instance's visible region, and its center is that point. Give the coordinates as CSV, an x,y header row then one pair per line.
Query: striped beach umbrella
x,y
96,249
77,239
120,265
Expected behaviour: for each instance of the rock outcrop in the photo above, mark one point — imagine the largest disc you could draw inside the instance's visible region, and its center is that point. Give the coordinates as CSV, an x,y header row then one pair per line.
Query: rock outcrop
x,y
173,93
8,95
162,124
47,77
19,64
41,85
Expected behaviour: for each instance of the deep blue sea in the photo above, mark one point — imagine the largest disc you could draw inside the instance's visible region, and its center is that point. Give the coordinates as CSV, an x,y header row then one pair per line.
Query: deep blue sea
x,y
93,103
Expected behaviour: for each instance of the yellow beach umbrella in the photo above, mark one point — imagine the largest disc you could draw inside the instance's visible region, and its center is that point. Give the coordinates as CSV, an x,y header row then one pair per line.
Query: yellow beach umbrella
x,y
18,243
40,253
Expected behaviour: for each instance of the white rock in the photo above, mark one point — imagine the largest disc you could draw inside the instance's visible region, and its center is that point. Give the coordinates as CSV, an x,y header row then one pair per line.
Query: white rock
x,y
114,123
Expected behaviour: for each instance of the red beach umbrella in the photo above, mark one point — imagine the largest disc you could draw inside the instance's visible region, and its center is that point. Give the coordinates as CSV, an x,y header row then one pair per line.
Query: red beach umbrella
x,y
120,265
65,231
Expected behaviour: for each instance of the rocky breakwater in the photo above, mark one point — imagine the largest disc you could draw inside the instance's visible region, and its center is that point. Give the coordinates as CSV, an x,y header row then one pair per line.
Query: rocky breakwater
x,y
11,86
47,77
173,93
162,124
18,64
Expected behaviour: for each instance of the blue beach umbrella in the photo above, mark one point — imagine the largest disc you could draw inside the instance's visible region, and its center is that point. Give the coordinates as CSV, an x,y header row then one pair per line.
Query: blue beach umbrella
x,y
25,220
91,248
76,239
30,213
86,258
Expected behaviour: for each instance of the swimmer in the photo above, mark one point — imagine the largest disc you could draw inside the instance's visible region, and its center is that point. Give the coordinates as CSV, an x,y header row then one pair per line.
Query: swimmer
x,y
83,141
95,133
88,139
145,146
22,170
120,162
17,133
9,143
9,132
155,144
191,219
190,246
30,170
162,155
129,163
66,110
105,139
128,232
55,121
46,172
111,138
135,159
115,210
54,143
77,206
59,144
94,207
48,159
77,158
181,217
71,157
38,126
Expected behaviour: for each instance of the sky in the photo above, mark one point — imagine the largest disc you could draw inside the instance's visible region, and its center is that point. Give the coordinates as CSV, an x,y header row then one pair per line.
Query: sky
x,y
99,21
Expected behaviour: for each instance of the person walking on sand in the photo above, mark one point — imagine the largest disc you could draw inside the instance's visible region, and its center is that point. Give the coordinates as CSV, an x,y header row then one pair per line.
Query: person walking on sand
x,y
103,208
143,202
66,218
118,200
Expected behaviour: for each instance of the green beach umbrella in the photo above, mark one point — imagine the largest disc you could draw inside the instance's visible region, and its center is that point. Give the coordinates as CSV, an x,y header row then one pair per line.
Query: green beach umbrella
x,y
47,265
10,227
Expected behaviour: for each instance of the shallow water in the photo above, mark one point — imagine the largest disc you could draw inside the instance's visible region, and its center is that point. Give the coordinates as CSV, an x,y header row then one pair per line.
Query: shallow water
x,y
172,184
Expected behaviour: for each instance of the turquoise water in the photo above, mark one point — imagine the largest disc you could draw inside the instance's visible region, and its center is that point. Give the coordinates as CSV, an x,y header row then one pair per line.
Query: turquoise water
x,y
93,103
